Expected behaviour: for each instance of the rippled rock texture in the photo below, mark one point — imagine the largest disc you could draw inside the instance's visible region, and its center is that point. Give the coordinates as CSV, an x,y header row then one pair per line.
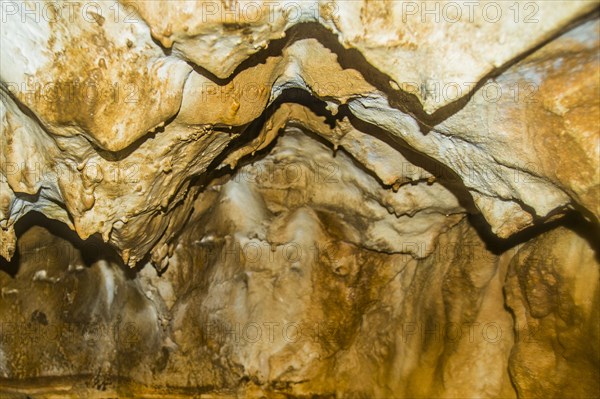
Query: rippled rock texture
x,y
363,199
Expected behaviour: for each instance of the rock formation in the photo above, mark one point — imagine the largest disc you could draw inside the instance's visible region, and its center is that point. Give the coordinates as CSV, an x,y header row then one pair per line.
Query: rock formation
x,y
361,199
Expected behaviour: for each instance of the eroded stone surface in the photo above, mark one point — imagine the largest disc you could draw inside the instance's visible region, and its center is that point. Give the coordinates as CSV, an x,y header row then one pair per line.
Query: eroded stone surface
x,y
553,290
302,198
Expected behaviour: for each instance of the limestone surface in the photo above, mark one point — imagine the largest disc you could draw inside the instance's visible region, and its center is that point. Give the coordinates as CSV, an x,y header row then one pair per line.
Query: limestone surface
x,y
364,198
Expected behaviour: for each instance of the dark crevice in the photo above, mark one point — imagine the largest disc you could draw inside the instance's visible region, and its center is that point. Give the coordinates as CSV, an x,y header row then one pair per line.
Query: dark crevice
x,y
92,249
447,111
253,130
453,183
167,51
443,174
350,58
573,221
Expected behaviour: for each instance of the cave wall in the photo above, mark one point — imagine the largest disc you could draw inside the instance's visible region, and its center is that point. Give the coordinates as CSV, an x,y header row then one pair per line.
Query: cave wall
x,y
344,199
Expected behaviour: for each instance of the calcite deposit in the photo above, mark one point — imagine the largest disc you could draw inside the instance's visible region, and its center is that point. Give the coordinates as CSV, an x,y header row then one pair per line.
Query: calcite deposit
x,y
338,199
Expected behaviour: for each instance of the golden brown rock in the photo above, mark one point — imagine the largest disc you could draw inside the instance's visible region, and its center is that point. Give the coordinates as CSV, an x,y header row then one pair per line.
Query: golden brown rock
x,y
296,199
